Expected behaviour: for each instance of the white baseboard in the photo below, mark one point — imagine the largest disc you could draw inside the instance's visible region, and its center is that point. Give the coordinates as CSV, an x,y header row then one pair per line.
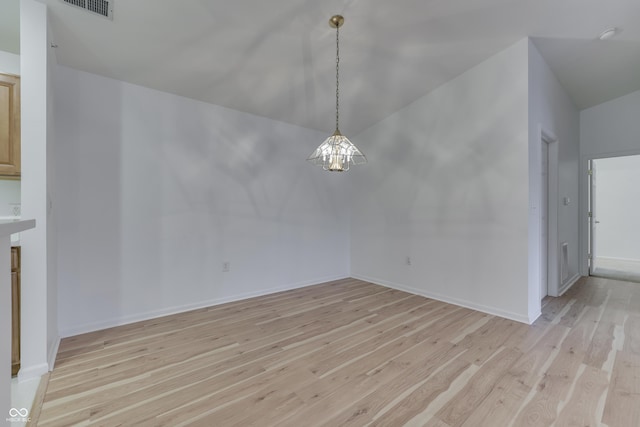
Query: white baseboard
x,y
608,258
534,317
450,300
29,372
568,284
53,352
125,320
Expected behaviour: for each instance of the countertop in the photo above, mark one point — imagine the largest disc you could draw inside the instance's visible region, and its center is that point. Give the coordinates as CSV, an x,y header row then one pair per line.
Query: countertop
x,y
8,227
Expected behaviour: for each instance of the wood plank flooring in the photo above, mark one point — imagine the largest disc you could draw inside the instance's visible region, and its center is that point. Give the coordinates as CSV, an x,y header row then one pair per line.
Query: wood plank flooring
x,y
350,353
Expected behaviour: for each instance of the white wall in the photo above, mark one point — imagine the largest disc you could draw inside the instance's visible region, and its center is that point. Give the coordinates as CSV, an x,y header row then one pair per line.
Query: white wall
x,y
618,204
611,128
9,195
447,185
606,130
551,110
53,336
34,47
156,191
9,63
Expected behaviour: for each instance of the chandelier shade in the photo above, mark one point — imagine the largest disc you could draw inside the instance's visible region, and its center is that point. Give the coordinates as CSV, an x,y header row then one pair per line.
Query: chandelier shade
x,y
337,153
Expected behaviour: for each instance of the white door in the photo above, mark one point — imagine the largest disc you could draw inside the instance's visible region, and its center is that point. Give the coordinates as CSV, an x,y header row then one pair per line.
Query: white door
x,y
593,222
544,221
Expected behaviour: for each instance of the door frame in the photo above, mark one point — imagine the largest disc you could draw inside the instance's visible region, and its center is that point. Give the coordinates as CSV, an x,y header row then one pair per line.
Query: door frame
x,y
552,252
591,234
584,203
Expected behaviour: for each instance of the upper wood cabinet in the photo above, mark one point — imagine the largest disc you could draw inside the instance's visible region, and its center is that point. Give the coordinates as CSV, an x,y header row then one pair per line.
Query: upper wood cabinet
x,y
9,125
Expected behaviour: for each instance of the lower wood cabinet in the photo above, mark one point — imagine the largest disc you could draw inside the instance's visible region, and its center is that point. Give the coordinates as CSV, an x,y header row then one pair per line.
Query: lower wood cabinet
x,y
15,310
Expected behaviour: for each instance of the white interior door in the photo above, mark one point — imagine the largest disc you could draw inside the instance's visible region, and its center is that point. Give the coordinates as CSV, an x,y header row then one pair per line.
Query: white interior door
x,y
593,221
544,221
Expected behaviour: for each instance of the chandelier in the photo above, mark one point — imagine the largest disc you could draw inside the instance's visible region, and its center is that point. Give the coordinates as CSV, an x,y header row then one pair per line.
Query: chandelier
x,y
337,153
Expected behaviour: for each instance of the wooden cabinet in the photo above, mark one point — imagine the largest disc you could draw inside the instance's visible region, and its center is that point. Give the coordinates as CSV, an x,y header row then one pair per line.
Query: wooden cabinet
x,y
9,125
15,310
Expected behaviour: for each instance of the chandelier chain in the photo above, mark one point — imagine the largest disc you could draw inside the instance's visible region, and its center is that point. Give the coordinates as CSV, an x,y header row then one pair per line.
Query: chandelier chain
x,y
337,75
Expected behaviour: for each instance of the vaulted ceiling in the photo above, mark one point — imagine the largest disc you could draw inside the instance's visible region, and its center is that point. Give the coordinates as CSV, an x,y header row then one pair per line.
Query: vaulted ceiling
x,y
276,58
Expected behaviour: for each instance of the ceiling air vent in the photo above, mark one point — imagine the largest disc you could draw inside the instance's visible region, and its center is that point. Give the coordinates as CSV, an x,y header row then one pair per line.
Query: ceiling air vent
x,y
103,8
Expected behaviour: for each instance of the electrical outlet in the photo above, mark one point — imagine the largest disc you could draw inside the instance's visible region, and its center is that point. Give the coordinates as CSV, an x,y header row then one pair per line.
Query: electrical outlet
x,y
408,260
15,209
226,266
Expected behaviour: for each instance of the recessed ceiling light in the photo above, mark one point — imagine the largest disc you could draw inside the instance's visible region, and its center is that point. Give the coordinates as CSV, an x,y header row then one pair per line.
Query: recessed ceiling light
x,y
608,33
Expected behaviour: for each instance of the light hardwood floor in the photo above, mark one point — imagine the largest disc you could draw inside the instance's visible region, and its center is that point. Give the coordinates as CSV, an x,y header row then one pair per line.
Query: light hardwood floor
x,y
350,353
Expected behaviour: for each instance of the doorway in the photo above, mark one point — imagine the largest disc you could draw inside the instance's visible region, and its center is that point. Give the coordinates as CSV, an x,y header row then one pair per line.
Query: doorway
x,y
544,220
614,231
548,215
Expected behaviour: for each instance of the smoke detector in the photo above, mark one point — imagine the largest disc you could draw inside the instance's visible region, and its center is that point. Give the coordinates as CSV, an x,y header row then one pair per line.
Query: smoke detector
x,y
103,8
